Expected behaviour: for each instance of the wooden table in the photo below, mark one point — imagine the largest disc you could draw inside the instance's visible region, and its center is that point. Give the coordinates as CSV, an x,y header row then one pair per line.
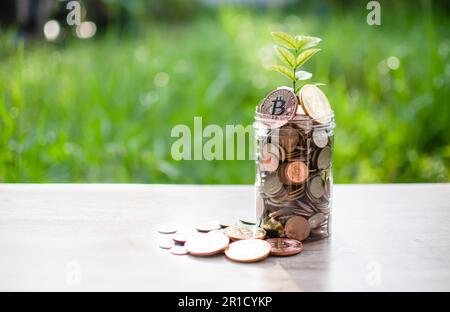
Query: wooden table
x,y
73,237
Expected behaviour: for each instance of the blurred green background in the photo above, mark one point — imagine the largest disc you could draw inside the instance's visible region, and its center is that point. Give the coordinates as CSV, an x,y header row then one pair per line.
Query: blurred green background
x,y
101,109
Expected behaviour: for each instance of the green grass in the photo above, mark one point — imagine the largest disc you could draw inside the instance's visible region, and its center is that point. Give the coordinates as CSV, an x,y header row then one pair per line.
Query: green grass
x,y
90,111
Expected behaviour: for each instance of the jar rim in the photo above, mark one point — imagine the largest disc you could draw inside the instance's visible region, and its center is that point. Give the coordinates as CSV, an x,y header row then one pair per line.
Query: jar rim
x,y
299,118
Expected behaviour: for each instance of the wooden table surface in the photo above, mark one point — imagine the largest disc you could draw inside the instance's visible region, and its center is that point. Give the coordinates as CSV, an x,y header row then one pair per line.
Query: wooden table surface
x,y
72,237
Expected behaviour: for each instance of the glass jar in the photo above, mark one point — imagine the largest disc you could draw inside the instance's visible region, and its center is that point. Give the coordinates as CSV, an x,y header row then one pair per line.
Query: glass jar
x,y
293,188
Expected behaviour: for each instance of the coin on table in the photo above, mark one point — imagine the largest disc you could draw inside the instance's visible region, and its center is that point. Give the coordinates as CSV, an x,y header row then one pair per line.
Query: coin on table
x,y
296,171
316,187
324,158
284,246
178,250
316,220
297,228
247,220
208,226
166,229
182,237
269,162
277,108
315,103
320,138
244,232
166,242
207,244
248,250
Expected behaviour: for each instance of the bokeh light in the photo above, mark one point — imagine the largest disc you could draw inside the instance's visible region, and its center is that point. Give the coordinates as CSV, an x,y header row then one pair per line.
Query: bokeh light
x,y
51,30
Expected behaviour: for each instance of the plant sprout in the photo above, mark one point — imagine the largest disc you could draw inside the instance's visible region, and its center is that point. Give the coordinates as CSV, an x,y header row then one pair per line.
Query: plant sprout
x,y
294,52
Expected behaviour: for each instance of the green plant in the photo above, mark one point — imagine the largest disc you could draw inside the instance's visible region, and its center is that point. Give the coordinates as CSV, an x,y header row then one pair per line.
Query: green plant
x,y
294,52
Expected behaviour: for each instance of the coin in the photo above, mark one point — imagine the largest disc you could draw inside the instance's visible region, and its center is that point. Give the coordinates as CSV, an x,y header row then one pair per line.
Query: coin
x,y
248,220
248,250
274,149
272,184
316,187
182,237
244,232
209,226
166,229
320,138
207,244
297,228
277,108
315,103
316,220
284,246
166,243
178,250
324,158
288,139
269,162
296,171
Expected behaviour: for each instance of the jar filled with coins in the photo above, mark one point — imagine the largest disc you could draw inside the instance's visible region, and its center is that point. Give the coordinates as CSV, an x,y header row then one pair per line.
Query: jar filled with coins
x,y
294,148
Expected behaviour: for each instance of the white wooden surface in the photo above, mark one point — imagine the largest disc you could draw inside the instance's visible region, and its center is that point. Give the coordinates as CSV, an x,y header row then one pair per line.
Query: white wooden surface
x,y
101,237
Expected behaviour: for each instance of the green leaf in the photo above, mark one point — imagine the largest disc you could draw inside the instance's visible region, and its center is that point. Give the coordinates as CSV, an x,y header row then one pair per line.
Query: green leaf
x,y
305,56
284,39
303,75
286,56
284,70
306,42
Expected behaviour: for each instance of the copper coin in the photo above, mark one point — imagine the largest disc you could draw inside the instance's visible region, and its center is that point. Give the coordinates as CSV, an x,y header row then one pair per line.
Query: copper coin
x,y
269,162
209,226
284,246
207,244
248,250
296,171
278,108
288,139
178,250
297,228
244,232
315,103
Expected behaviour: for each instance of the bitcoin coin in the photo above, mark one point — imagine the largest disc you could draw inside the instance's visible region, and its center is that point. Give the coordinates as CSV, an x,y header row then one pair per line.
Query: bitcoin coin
x,y
278,108
248,250
284,246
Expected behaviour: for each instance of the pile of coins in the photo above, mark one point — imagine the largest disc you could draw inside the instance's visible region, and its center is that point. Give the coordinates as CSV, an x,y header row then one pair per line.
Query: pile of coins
x,y
241,242
294,137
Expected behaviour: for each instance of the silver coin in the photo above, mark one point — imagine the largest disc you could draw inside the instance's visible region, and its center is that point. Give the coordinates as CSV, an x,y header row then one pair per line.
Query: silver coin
x,y
316,187
272,184
178,250
324,158
320,138
316,220
166,229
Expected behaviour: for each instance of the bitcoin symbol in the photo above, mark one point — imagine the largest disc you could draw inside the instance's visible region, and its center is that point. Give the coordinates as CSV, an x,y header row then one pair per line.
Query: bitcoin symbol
x,y
278,107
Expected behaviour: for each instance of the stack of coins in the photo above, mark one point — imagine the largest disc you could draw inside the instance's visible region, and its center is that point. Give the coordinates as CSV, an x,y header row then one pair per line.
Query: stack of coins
x,y
294,161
